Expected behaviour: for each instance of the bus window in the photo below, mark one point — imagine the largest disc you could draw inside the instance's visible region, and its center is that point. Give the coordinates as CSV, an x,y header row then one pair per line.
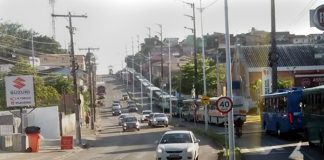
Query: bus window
x,y
282,104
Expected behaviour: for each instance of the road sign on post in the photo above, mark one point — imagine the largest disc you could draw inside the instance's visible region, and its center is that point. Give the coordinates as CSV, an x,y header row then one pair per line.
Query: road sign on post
x,y
224,104
205,100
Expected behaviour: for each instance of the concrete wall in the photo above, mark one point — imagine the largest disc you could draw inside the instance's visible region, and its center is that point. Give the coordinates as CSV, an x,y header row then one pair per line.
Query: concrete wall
x,y
47,118
68,124
13,142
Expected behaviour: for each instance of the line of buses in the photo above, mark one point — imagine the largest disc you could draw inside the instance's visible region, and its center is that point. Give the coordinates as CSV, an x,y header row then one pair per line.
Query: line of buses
x,y
191,109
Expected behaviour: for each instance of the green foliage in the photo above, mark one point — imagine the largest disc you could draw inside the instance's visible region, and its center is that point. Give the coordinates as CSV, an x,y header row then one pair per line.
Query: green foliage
x,y
284,84
14,35
186,78
62,84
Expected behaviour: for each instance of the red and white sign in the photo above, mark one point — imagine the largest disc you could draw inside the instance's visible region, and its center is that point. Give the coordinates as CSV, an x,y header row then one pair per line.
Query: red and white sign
x,y
224,104
20,91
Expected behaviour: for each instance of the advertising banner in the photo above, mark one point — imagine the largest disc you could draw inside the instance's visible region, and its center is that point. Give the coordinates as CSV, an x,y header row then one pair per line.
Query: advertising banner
x,y
20,91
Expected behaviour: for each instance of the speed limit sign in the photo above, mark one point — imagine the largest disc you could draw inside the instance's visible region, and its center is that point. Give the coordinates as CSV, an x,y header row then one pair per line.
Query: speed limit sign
x,y
224,104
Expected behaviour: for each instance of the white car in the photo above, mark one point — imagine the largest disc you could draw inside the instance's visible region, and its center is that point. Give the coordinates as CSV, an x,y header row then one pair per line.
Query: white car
x,y
160,119
145,115
178,144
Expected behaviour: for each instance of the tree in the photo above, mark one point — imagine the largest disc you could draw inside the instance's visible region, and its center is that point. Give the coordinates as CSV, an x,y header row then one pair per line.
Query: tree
x,y
185,79
62,84
15,36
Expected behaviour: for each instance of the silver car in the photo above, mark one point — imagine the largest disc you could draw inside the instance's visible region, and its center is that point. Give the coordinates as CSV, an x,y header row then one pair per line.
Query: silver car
x,y
130,123
160,119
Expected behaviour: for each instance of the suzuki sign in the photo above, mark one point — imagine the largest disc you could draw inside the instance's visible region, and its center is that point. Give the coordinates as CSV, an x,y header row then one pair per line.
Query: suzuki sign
x,y
19,91
317,17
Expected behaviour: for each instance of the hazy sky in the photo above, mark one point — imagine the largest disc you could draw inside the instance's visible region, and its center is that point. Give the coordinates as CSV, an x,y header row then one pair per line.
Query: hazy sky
x,y
111,23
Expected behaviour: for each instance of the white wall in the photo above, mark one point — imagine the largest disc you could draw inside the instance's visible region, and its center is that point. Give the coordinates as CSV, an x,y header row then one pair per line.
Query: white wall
x,y
47,118
68,124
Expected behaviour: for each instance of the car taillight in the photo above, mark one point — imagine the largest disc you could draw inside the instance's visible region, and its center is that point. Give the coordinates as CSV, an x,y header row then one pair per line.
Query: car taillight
x,y
291,118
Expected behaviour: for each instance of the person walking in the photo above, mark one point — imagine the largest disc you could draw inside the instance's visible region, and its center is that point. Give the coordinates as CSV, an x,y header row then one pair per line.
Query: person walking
x,y
87,119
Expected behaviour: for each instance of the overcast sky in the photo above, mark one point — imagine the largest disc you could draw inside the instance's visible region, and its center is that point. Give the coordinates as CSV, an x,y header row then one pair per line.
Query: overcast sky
x,y
111,23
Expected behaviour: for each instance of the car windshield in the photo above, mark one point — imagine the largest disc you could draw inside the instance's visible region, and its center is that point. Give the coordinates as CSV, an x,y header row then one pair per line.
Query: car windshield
x,y
160,115
176,138
146,112
130,119
115,104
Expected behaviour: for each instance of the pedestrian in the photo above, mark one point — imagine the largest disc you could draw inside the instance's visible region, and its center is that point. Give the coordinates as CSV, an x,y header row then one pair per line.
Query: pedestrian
x,y
87,119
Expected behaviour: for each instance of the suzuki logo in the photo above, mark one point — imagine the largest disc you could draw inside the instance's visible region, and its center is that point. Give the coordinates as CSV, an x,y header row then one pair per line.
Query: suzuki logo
x,y
19,83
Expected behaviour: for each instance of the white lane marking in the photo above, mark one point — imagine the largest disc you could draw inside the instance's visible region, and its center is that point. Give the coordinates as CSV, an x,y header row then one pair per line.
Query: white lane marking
x,y
269,148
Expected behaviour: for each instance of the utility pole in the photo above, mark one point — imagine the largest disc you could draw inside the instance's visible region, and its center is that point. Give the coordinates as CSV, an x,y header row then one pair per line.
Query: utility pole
x,y
90,61
273,55
193,17
32,45
77,101
133,66
150,69
126,69
161,82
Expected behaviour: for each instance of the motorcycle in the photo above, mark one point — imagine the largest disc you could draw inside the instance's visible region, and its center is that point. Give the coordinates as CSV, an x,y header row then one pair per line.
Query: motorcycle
x,y
238,124
238,131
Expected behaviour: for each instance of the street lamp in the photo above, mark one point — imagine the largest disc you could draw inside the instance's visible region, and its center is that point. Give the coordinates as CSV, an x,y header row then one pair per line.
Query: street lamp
x,y
204,65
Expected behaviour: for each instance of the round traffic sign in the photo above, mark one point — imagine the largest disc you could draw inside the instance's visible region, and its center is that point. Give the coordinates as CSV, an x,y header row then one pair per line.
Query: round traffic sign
x,y
224,104
318,17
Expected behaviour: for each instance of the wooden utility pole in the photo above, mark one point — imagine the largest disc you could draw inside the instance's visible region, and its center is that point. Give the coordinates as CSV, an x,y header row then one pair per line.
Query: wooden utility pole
x,y
77,101
90,62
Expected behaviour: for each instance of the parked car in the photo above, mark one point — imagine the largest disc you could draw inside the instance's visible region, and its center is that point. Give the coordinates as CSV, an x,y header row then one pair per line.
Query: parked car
x,y
132,109
145,115
130,123
178,144
121,118
160,119
116,112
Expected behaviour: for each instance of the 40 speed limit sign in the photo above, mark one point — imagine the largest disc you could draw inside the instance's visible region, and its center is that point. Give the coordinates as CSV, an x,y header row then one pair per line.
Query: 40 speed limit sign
x,y
224,104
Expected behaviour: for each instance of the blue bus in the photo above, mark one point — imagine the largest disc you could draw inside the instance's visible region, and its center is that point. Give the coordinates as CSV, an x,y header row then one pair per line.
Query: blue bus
x,y
313,115
282,112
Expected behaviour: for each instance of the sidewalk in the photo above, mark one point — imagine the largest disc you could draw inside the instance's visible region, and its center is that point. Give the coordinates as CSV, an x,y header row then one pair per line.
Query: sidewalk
x,y
51,149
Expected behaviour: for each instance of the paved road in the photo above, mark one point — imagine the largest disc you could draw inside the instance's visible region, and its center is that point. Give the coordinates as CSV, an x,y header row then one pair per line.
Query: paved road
x,y
113,144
